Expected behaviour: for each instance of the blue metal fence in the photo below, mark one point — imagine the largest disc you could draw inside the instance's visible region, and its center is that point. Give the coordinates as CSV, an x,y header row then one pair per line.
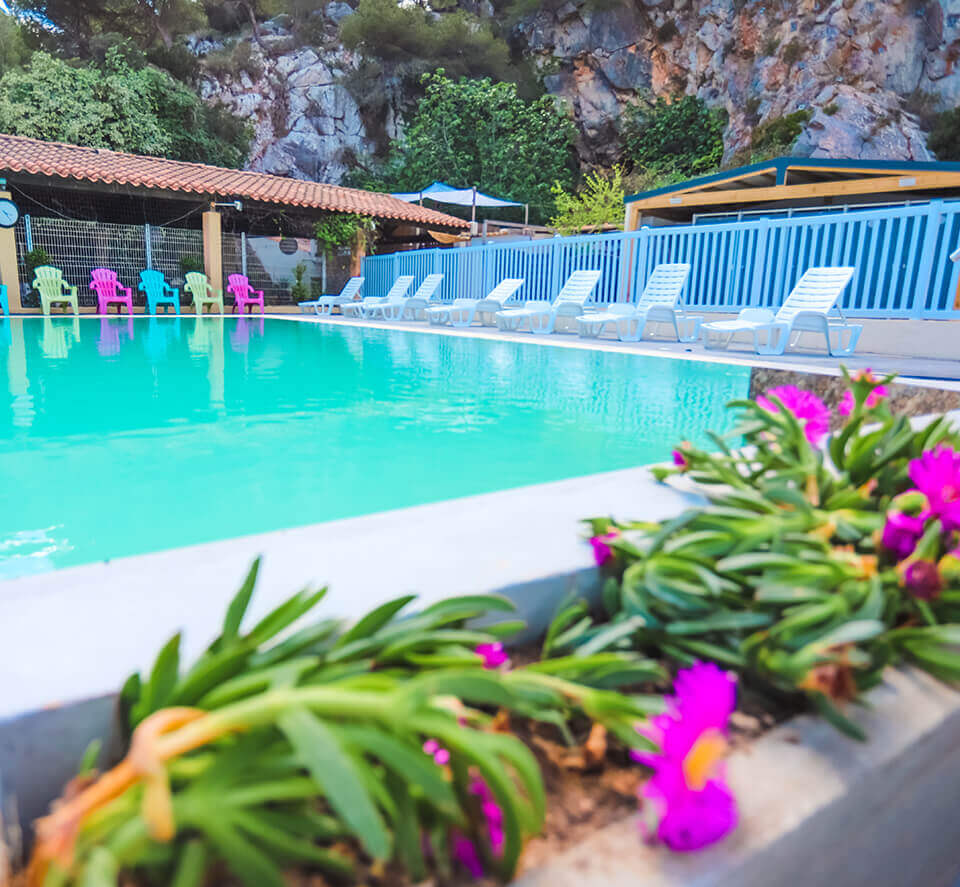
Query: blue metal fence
x,y
901,255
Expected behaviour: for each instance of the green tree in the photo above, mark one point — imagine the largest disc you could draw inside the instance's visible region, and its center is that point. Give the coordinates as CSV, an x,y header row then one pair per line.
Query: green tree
x,y
675,138
480,133
142,111
145,22
13,46
599,202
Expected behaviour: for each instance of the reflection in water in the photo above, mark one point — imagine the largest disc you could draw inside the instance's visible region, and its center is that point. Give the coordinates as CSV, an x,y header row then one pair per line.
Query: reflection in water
x,y
161,334
245,327
110,331
59,335
161,432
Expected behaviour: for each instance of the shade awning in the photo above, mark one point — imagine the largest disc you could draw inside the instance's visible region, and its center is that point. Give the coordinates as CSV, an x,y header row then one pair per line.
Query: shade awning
x,y
441,192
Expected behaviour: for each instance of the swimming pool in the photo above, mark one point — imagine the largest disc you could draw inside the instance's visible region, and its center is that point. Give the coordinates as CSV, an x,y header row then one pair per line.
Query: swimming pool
x,y
120,436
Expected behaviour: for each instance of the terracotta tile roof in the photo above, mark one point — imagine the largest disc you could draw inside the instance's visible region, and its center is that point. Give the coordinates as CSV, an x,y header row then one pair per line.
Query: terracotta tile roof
x,y
20,154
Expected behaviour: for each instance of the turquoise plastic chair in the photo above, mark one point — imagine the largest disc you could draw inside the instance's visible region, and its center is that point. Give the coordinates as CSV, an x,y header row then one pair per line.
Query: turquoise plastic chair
x,y
158,291
4,303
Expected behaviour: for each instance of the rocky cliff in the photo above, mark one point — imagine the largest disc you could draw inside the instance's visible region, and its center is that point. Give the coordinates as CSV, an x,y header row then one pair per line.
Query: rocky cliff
x,y
866,70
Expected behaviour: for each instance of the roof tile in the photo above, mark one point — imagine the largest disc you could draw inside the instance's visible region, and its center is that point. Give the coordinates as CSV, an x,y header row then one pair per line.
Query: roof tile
x,y
21,154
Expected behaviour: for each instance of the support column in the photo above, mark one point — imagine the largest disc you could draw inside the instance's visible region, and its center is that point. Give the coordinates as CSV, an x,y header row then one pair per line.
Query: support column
x,y
9,273
213,249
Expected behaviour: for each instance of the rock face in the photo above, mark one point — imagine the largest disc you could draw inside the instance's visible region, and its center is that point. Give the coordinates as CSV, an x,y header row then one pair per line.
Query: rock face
x,y
863,68
306,123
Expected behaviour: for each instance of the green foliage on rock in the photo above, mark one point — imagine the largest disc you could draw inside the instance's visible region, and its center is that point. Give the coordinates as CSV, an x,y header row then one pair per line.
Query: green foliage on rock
x,y
343,229
944,138
681,137
476,132
776,137
599,202
143,111
411,40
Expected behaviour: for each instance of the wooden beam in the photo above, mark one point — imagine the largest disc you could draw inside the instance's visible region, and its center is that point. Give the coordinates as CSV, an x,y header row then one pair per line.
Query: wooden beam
x,y
884,185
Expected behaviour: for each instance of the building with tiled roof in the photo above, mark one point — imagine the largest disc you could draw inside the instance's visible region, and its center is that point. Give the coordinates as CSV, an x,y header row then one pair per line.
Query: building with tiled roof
x,y
34,162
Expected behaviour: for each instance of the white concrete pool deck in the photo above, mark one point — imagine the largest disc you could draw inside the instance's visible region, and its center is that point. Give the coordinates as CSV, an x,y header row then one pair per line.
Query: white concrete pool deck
x,y
931,337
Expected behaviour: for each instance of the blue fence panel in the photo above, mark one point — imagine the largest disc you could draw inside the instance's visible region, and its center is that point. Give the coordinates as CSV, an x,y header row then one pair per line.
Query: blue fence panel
x,y
901,255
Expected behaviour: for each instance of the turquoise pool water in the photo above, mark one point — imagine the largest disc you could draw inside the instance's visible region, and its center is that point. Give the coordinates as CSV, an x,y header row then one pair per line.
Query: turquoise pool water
x,y
120,437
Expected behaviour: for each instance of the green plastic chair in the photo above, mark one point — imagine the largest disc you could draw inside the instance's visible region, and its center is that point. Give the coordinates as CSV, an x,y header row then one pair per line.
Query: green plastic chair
x,y
53,289
203,293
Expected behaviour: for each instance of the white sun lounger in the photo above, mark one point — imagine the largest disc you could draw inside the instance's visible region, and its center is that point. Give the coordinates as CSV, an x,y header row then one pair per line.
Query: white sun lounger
x,y
397,291
542,316
326,304
658,303
403,306
461,312
806,309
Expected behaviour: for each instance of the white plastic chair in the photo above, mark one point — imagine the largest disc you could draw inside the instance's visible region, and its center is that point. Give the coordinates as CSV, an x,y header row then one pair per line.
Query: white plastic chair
x,y
658,303
542,316
462,312
326,304
397,291
397,309
806,309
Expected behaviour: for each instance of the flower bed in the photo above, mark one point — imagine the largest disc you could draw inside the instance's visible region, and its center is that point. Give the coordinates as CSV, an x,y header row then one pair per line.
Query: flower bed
x,y
411,747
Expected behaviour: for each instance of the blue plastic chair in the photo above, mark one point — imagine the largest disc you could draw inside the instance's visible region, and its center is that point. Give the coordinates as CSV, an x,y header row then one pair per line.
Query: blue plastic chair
x,y
158,291
4,303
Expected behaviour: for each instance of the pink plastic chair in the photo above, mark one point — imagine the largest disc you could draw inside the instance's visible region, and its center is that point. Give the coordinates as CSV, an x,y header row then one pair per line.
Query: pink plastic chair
x,y
104,282
243,293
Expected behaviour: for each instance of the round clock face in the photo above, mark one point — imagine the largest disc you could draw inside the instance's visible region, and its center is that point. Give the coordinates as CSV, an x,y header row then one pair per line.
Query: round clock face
x,y
8,213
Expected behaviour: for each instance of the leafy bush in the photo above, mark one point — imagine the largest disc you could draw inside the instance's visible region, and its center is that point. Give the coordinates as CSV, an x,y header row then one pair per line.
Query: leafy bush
x,y
34,259
328,748
299,290
232,61
776,137
412,40
190,263
599,202
793,52
343,229
143,111
477,132
944,139
681,136
811,567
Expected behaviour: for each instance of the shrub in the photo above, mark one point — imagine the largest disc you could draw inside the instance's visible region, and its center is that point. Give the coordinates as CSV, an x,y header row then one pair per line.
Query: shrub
x,y
771,45
944,139
599,202
793,52
412,40
831,109
299,290
143,111
667,31
776,136
330,747
190,263
815,564
34,259
344,229
681,135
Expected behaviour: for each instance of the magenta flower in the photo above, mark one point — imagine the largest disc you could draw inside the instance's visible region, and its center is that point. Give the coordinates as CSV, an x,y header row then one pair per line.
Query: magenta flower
x,y
465,853
602,552
922,579
440,755
680,461
901,533
492,813
937,475
692,803
811,412
493,655
849,402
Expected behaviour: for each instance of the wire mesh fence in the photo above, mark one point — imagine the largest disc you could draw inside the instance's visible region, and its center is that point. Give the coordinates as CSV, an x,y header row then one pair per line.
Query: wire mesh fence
x,y
270,264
